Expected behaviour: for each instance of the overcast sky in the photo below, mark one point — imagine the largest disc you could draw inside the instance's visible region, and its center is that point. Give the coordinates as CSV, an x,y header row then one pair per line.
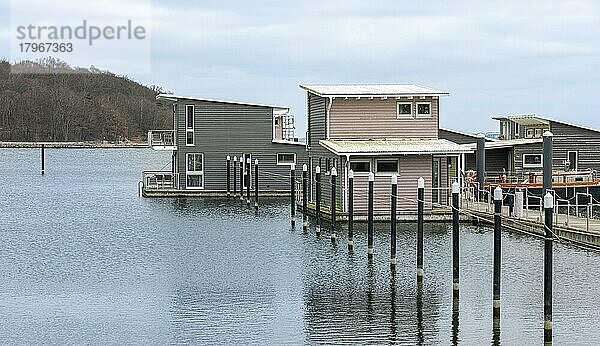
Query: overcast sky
x,y
509,57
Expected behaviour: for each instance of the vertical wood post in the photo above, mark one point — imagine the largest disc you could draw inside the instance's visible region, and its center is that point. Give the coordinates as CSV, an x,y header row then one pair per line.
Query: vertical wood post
x,y
318,199
228,176
393,219
350,210
234,176
497,250
333,202
242,178
548,243
455,238
370,250
256,184
293,194
480,164
43,159
420,221
547,163
304,196
248,181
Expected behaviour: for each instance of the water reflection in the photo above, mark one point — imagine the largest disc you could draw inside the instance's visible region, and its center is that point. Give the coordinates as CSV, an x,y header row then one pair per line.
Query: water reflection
x,y
496,332
455,321
420,336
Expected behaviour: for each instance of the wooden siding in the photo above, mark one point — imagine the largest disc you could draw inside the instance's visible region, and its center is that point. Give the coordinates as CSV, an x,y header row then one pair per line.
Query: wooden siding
x,y
495,160
230,129
519,150
376,118
571,138
411,168
458,138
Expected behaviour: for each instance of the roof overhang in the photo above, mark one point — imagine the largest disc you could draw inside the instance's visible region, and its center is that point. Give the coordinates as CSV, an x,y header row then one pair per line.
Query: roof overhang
x,y
175,98
500,144
393,147
529,120
372,90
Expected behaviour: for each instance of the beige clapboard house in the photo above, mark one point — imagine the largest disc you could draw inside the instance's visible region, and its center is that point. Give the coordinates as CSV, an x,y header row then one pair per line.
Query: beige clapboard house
x,y
384,129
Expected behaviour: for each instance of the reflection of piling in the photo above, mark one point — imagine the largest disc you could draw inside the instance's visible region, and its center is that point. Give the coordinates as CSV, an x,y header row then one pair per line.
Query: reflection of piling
x,y
293,194
497,249
370,217
234,176
43,159
333,203
228,176
393,219
548,242
304,196
420,207
350,210
455,239
256,185
455,320
318,200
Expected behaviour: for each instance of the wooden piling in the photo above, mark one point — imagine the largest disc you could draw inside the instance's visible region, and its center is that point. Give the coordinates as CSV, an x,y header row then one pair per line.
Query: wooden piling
x,y
318,200
248,178
293,194
234,176
43,159
480,165
394,220
548,243
228,176
547,162
370,250
304,197
242,178
256,184
350,210
333,203
420,221
455,238
497,251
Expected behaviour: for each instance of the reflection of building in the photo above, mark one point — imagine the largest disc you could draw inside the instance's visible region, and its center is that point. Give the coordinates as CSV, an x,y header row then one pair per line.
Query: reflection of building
x,y
207,131
384,129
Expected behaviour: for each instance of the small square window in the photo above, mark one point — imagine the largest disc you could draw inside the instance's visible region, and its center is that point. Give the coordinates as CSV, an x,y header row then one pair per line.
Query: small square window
x,y
404,110
424,109
532,161
189,138
286,159
387,166
360,166
538,133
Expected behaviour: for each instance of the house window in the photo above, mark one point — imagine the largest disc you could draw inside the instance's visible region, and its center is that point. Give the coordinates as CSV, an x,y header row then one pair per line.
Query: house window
x,y
529,133
424,109
189,125
360,166
573,156
538,133
532,160
404,110
387,166
195,171
277,121
287,159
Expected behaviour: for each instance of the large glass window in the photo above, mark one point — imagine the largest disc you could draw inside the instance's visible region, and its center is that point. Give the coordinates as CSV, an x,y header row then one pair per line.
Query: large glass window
x,y
360,166
387,166
286,159
189,125
195,171
532,160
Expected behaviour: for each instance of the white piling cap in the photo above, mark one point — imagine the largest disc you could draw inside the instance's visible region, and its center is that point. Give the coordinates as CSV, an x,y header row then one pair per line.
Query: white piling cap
x,y
421,183
293,167
235,158
248,160
455,187
256,162
548,134
351,174
498,193
548,201
480,135
371,176
318,170
333,171
304,167
228,157
394,179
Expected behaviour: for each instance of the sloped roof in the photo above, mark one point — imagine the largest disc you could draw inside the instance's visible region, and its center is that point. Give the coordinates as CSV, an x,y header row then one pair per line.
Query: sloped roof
x,y
174,98
508,143
367,90
534,119
395,146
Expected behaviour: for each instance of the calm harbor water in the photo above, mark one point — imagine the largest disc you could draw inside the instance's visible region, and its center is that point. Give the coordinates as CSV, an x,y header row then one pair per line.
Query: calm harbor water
x,y
86,261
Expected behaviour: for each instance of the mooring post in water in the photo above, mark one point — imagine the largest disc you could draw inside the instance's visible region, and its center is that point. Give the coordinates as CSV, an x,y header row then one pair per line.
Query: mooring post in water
x,y
548,206
242,178
228,176
350,210
497,249
370,250
43,159
318,200
304,196
480,165
234,176
547,162
248,162
393,219
333,202
420,207
256,184
455,239
293,194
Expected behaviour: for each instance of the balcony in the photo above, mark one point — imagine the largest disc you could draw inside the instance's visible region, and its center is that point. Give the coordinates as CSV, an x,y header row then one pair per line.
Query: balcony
x,y
162,140
155,180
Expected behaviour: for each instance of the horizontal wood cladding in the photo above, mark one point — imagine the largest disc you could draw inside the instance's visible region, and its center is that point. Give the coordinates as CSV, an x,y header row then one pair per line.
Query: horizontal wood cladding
x,y
316,121
376,118
411,168
571,138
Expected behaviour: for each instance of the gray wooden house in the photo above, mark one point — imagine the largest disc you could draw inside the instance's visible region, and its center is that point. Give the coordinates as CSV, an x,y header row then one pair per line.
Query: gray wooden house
x,y
206,131
384,129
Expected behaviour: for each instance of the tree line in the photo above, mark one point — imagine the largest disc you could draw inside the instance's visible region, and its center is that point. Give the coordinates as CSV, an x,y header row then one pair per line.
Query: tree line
x,y
48,100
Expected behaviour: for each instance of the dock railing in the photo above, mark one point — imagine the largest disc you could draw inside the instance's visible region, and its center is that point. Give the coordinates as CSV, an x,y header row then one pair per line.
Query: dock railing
x,y
157,180
162,139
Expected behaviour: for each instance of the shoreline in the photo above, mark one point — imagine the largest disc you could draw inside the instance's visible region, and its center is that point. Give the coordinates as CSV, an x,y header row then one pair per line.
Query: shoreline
x,y
73,145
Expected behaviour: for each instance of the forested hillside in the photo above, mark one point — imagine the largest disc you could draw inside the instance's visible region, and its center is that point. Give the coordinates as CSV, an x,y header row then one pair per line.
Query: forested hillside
x,y
75,104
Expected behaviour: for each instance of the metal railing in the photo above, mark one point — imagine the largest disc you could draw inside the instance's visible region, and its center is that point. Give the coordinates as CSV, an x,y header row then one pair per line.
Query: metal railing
x,y
156,180
161,138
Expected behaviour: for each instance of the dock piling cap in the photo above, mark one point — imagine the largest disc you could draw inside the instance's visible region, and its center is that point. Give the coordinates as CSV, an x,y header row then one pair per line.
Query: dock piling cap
x,y
548,201
371,176
235,158
480,135
498,193
350,174
318,170
293,167
548,134
394,179
304,167
228,157
421,183
333,171
256,162
455,187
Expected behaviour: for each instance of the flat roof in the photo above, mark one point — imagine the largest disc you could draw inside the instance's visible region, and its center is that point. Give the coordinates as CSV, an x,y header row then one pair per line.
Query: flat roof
x,y
395,146
534,119
509,143
174,98
371,90
475,136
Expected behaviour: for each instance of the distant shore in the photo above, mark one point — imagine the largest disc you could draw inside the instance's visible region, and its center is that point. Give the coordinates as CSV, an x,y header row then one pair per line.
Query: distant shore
x,y
107,145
